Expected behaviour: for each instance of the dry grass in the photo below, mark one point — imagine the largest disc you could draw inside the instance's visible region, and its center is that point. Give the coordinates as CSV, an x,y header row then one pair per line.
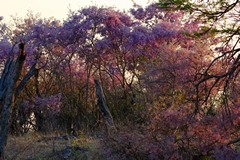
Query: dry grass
x,y
28,148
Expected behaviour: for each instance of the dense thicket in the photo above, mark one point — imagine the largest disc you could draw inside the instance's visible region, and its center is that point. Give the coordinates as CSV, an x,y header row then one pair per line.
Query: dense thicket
x,y
151,63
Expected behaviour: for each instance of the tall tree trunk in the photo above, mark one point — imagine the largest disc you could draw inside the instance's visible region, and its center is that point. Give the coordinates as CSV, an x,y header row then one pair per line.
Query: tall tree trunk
x,y
38,114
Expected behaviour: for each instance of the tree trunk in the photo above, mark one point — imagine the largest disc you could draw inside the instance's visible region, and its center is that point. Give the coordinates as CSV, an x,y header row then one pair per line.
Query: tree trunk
x,y
103,107
38,114
9,91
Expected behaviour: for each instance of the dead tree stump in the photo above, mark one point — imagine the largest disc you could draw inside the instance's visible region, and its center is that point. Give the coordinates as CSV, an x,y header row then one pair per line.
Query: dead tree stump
x,y
103,108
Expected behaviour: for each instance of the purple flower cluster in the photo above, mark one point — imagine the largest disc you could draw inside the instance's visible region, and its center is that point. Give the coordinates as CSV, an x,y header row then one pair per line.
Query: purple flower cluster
x,y
49,105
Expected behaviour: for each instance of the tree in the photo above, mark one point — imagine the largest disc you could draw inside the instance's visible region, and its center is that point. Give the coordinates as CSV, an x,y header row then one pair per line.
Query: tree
x,y
221,20
184,123
149,61
10,90
10,86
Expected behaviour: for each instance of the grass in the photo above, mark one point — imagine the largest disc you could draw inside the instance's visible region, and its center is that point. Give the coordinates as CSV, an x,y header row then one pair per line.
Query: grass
x,y
27,147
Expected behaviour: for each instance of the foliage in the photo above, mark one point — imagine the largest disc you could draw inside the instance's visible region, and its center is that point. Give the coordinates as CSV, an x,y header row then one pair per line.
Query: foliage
x,y
174,131
168,77
175,135
220,19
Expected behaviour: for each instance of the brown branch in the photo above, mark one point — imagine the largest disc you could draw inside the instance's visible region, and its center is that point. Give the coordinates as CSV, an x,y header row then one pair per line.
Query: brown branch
x,y
217,78
234,141
25,79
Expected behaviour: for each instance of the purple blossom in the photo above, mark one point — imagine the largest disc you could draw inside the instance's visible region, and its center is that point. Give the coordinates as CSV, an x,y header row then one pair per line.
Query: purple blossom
x,y
138,13
164,30
49,105
102,45
139,35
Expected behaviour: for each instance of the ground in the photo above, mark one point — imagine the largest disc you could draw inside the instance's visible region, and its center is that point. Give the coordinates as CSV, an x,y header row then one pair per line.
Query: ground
x,y
34,146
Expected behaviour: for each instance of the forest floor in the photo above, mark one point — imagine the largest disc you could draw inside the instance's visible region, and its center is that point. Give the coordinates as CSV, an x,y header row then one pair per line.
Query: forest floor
x,y
34,146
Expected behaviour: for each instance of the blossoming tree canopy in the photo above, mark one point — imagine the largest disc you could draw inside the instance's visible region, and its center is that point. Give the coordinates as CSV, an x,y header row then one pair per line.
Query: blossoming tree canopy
x,y
148,61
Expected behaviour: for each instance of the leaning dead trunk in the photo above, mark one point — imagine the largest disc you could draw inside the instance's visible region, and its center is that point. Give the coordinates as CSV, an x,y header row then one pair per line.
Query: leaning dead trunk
x,y
9,91
9,78
103,107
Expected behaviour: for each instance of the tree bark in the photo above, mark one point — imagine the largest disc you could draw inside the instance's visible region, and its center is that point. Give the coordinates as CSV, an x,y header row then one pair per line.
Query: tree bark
x,y
103,107
32,71
10,75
